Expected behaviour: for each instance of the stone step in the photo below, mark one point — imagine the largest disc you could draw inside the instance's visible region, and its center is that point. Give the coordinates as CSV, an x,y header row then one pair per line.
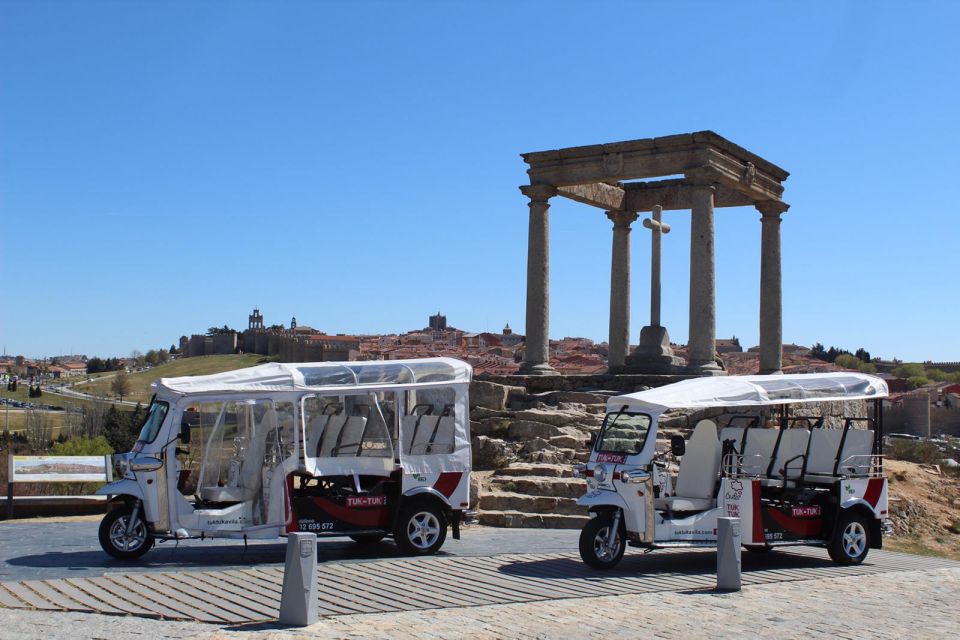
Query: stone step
x,y
521,520
536,469
540,486
509,501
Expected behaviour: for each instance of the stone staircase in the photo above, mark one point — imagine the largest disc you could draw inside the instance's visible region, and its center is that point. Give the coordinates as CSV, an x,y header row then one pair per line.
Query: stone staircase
x,y
531,442
534,495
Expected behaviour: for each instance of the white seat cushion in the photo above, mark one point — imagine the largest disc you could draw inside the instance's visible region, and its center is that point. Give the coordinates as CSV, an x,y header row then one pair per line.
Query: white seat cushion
x,y
823,451
226,494
679,503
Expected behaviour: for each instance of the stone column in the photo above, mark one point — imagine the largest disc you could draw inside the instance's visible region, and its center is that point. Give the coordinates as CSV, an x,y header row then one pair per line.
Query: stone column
x,y
771,295
537,361
619,342
702,344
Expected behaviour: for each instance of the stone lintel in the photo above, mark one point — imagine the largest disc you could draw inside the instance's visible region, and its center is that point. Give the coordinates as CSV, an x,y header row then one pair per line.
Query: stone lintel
x,y
650,158
675,195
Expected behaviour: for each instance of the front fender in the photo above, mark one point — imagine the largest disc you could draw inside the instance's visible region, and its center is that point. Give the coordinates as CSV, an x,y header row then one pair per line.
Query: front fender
x,y
125,487
601,498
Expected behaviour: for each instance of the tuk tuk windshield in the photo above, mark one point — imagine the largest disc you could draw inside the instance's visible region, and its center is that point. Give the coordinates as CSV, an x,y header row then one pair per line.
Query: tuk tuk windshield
x,y
623,432
151,426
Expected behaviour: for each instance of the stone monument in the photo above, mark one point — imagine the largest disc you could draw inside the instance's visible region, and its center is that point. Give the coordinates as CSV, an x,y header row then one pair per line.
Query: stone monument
x,y
615,177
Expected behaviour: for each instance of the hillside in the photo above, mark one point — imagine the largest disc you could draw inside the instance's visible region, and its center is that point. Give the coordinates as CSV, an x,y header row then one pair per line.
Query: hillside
x,y
197,366
924,509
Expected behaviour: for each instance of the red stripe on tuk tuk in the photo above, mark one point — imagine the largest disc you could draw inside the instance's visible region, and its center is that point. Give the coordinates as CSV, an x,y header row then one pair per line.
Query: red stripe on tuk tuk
x,y
874,489
757,514
447,482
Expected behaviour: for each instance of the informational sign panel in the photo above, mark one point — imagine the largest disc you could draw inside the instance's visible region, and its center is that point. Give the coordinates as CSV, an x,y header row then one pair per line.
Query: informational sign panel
x,y
60,468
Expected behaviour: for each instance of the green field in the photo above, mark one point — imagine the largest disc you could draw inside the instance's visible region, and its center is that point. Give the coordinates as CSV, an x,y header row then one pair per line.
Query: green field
x,y
201,365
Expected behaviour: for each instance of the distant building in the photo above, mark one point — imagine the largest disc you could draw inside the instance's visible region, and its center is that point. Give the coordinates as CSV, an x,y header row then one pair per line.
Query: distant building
x,y
729,346
438,322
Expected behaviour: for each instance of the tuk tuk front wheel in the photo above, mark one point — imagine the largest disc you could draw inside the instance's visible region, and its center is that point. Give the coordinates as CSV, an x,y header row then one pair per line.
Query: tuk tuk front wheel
x,y
851,539
114,539
421,529
594,547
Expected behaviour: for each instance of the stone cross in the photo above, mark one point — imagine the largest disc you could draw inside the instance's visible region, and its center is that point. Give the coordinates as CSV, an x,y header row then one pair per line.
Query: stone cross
x,y
657,229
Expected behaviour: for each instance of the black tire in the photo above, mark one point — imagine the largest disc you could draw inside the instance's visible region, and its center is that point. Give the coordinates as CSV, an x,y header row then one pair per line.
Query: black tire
x,y
112,535
758,548
593,538
421,529
367,538
851,538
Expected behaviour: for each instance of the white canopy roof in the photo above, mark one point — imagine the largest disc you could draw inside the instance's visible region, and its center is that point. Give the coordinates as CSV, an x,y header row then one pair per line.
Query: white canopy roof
x,y
305,376
751,391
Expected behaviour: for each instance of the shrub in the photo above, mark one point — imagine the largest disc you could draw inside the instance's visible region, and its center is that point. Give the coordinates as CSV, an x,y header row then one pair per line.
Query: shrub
x,y
83,447
914,451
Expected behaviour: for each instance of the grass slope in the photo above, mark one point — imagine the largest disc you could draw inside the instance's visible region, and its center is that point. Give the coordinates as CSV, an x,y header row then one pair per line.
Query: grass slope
x,y
197,366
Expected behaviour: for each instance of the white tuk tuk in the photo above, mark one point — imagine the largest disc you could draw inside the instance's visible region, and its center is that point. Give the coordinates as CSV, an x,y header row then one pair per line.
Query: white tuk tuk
x,y
792,477
362,449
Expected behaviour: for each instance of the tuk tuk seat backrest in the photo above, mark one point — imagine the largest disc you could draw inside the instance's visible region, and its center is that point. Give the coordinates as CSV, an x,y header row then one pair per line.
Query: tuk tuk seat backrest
x,y
732,433
793,442
859,442
700,465
757,450
330,434
350,437
824,444
442,434
315,428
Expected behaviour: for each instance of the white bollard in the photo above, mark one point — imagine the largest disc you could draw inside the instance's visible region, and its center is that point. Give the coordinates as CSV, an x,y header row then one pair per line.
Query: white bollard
x,y
298,602
728,554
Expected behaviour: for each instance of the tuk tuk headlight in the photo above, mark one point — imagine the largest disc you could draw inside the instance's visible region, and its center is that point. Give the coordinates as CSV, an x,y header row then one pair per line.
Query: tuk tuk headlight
x,y
600,474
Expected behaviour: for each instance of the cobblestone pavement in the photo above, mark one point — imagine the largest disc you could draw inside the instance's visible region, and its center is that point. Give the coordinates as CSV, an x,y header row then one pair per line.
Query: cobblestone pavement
x,y
914,604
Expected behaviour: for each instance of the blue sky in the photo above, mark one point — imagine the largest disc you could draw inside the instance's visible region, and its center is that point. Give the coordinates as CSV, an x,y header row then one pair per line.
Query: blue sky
x,y
164,167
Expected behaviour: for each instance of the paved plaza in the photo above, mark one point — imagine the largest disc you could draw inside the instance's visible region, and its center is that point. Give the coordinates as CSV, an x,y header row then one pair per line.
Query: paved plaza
x,y
486,589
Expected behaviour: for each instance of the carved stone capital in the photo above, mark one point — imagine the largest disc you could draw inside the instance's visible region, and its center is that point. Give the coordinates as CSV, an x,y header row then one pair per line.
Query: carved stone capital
x,y
622,218
772,208
538,193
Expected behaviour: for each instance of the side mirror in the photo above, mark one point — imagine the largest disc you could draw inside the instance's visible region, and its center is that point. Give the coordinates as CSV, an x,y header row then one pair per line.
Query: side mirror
x,y
591,442
184,433
678,446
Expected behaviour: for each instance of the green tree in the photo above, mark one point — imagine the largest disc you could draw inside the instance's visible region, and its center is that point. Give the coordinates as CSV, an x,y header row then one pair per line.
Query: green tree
x,y
914,382
848,361
117,429
83,447
817,351
152,358
909,370
163,356
120,386
863,354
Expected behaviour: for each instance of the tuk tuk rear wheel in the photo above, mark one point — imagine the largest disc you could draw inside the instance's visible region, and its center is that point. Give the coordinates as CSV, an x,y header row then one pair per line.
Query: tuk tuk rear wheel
x,y
113,536
421,529
851,539
593,543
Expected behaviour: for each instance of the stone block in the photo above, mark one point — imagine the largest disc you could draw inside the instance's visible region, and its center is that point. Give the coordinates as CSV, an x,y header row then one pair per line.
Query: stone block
x,y
491,395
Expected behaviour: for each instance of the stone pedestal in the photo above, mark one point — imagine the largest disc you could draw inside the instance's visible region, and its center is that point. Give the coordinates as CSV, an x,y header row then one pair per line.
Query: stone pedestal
x,y
653,354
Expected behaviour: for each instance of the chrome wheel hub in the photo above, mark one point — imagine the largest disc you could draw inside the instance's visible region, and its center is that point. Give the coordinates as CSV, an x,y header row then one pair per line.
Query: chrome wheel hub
x,y
423,530
854,539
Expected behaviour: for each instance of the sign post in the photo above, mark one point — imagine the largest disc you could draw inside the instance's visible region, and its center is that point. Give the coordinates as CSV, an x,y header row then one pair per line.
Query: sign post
x,y
298,601
728,554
